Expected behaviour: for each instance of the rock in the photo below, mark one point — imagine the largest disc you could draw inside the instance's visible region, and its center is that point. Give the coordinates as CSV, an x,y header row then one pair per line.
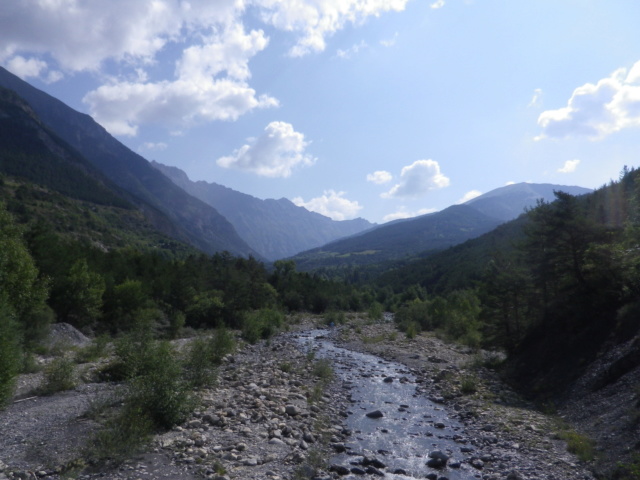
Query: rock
x,y
375,414
437,459
374,462
374,471
388,380
339,469
292,410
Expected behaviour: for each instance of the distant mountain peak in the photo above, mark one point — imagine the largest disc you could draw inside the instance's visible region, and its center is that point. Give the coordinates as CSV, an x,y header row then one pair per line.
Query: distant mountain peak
x,y
274,228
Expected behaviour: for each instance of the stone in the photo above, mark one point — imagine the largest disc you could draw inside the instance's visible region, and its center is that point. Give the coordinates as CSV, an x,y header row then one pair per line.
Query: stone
x,y
292,410
339,469
375,414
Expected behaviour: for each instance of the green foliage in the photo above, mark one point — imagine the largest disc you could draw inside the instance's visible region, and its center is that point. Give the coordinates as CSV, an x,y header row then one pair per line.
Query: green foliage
x,y
10,352
20,285
411,330
322,369
375,311
334,318
414,313
160,391
580,445
200,362
468,385
261,324
59,376
96,350
80,299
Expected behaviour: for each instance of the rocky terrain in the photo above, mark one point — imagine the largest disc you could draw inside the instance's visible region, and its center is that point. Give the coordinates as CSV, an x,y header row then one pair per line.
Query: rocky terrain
x,y
273,415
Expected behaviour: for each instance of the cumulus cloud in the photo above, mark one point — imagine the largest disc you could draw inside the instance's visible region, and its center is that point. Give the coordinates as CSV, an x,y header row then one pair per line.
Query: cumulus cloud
x,y
210,85
417,179
314,21
470,195
379,177
82,34
569,166
404,213
274,154
595,111
437,4
208,41
331,204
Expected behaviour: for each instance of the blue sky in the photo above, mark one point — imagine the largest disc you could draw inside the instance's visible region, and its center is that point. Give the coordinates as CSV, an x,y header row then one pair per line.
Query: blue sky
x,y
379,109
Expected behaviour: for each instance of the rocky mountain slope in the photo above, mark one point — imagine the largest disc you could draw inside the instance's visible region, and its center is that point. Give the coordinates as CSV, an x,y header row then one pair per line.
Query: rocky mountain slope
x,y
190,219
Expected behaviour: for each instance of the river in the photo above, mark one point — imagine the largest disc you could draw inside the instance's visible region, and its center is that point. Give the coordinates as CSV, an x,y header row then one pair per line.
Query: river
x,y
411,426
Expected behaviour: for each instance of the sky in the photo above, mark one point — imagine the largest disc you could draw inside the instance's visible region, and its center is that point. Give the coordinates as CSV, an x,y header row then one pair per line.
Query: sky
x,y
380,109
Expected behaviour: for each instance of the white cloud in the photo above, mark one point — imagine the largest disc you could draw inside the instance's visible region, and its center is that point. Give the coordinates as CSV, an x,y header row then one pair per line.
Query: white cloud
x,y
469,196
596,111
417,179
315,20
82,34
274,154
404,213
351,51
437,4
510,182
536,99
569,166
390,42
151,146
379,177
210,85
331,204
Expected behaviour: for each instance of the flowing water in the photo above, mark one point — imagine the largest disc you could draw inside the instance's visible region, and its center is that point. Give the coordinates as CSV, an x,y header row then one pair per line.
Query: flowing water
x,y
411,427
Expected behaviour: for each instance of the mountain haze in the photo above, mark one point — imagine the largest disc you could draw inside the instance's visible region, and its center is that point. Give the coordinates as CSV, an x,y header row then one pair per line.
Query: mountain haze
x,y
190,219
273,228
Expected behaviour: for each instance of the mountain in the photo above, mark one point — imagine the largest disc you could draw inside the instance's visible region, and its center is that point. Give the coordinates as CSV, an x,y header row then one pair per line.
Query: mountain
x,y
52,188
433,232
506,203
273,228
401,239
170,208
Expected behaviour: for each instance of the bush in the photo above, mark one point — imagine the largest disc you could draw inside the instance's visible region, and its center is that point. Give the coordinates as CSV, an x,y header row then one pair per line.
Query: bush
x,y
199,363
375,311
96,350
261,324
412,330
160,392
323,369
59,375
10,353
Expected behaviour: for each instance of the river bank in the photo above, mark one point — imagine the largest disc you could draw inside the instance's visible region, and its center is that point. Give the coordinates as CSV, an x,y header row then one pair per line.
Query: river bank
x,y
274,414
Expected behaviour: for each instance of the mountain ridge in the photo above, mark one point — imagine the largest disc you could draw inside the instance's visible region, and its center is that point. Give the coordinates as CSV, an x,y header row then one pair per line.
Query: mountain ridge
x,y
274,228
193,220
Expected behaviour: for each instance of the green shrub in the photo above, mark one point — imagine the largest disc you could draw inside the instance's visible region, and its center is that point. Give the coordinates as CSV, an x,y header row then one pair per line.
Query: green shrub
x,y
96,350
411,330
375,311
261,324
199,363
323,369
160,391
10,353
223,343
59,375
580,445
468,385
335,318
